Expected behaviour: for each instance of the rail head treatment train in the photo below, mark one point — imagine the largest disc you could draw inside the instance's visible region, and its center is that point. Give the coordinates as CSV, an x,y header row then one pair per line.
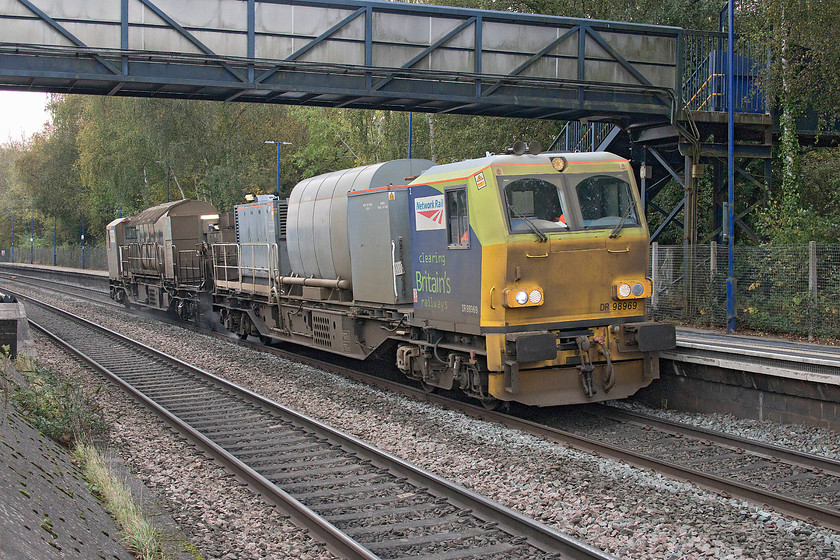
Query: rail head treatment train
x,y
514,277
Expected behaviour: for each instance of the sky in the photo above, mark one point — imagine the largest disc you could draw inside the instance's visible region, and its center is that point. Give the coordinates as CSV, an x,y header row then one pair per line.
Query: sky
x,y
22,114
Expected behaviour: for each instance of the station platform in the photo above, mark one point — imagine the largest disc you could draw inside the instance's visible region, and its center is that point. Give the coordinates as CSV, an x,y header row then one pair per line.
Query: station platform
x,y
766,355
748,376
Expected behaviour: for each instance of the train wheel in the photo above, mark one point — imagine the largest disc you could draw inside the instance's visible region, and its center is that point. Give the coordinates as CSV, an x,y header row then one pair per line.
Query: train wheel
x,y
242,336
489,403
428,388
266,340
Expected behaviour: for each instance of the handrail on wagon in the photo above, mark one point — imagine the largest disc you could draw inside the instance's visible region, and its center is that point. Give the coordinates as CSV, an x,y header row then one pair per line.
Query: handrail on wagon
x,y
141,257
230,269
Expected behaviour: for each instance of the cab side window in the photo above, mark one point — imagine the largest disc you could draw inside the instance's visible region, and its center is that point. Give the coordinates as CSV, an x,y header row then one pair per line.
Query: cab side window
x,y
458,222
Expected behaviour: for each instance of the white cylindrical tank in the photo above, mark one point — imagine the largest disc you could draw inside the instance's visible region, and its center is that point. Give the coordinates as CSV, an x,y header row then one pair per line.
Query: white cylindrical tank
x,y
316,226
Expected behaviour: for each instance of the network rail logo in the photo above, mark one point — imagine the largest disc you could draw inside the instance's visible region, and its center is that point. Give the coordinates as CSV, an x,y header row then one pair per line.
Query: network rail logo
x,y
429,213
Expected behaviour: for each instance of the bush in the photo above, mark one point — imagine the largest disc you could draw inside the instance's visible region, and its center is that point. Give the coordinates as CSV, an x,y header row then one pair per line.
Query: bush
x,y
55,407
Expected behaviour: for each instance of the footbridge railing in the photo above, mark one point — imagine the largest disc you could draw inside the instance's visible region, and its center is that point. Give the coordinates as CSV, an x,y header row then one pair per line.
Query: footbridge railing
x,y
704,56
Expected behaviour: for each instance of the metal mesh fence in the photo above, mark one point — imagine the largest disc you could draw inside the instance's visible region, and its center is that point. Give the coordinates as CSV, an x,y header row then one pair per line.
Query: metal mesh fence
x,y
778,289
94,258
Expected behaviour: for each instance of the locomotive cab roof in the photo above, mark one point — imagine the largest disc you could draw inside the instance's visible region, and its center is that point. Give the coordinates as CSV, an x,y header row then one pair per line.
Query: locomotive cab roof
x,y
470,166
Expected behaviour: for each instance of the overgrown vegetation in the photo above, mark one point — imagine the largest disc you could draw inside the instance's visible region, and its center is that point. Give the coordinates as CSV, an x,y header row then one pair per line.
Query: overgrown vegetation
x,y
55,407
62,411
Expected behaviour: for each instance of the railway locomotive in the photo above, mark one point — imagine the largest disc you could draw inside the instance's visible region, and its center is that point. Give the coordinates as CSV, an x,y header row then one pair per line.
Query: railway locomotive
x,y
157,258
514,277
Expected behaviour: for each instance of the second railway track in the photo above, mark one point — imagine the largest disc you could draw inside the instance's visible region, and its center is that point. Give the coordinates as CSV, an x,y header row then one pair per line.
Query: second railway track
x,y
87,292
798,484
362,502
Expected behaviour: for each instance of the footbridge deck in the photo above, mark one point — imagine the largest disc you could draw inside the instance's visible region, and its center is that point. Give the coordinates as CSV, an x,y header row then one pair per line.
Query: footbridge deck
x,y
344,53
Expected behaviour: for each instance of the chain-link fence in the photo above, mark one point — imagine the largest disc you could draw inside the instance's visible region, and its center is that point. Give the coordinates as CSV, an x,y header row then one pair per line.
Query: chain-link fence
x,y
94,258
779,289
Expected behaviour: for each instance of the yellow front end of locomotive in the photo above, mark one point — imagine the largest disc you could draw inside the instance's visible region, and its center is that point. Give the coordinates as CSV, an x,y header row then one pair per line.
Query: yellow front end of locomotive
x,y
564,283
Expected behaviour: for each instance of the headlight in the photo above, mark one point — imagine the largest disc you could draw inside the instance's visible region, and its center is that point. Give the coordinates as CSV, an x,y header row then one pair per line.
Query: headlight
x,y
632,289
527,297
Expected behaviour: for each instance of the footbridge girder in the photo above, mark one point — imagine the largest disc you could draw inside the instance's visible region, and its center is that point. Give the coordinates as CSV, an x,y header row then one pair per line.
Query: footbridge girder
x,y
344,53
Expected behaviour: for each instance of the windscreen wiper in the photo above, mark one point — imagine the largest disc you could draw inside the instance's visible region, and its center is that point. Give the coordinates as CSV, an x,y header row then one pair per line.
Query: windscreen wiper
x,y
540,235
620,223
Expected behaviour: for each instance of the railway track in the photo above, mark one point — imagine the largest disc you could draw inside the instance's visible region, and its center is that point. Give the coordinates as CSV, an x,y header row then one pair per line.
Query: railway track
x,y
804,486
90,293
363,503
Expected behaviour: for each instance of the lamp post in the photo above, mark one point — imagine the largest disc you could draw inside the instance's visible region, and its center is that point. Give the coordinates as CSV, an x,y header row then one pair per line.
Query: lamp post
x,y
278,144
166,163
31,240
731,314
12,251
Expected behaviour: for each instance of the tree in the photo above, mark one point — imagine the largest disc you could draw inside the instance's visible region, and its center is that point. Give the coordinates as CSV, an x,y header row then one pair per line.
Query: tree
x,y
10,190
802,38
47,170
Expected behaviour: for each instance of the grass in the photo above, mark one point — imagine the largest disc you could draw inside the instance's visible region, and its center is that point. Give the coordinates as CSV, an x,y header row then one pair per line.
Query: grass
x,y
139,535
62,411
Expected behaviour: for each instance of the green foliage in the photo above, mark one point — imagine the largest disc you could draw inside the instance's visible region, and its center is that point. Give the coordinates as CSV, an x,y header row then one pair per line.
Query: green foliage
x,y
13,196
138,533
215,152
803,39
323,146
57,408
805,207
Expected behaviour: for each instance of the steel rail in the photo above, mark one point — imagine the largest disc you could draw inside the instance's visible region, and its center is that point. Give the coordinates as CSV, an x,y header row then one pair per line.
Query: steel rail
x,y
799,509
334,539
17,277
823,464
512,522
789,505
785,504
